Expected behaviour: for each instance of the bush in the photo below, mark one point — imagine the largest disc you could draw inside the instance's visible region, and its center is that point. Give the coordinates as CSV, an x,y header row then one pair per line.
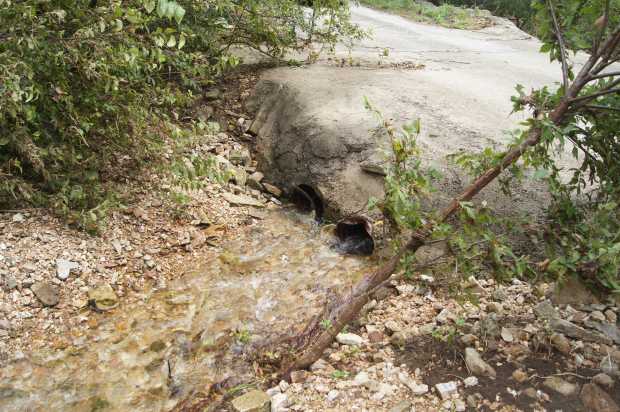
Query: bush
x,y
85,84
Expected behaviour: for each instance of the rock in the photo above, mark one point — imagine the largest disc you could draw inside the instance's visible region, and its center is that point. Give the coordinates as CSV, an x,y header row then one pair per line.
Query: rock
x,y
279,402
213,94
519,375
603,380
46,293
402,406
320,365
349,339
375,336
596,399
5,324
531,393
598,315
299,376
477,365
494,307
398,339
240,157
506,335
470,381
373,166
610,331
468,339
253,401
102,298
444,316
283,385
277,192
332,395
611,316
572,292
65,267
392,326
560,342
240,176
608,366
18,218
254,180
561,386
10,283
574,331
361,379
381,390
241,200
473,286
489,326
271,392
427,328
417,389
545,310
446,389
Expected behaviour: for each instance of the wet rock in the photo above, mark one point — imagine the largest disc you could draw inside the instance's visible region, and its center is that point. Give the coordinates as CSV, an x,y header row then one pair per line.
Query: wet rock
x,y
560,342
574,331
477,365
64,268
253,401
402,406
596,399
561,386
276,191
446,389
603,380
299,376
279,402
46,293
470,381
241,200
349,339
102,298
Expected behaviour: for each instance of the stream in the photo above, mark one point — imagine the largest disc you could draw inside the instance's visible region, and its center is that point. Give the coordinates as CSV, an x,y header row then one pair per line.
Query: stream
x,y
147,356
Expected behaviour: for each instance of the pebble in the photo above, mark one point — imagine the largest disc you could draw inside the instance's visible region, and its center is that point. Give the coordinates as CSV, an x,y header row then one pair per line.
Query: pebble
x,y
519,375
319,365
611,316
560,385
402,406
283,385
299,376
349,339
598,315
506,335
477,365
46,293
64,268
561,343
596,399
253,401
332,395
102,297
446,389
279,402
470,381
603,380
18,218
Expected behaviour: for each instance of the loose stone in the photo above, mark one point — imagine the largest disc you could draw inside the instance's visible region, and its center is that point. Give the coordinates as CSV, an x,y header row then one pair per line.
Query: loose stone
x,y
349,339
477,365
446,389
253,401
46,293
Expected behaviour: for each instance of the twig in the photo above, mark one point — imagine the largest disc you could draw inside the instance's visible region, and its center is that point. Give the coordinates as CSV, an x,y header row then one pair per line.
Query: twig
x,y
559,374
594,95
601,107
603,75
558,34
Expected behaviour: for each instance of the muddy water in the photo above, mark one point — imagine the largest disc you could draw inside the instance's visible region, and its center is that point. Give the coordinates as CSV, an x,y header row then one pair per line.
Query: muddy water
x,y
148,355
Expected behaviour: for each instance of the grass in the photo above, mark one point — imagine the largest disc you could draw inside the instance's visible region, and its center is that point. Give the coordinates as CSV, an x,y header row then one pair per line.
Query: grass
x,y
445,15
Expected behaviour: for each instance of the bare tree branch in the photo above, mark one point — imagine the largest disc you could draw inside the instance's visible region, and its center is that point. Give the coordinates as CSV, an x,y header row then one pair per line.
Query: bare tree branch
x,y
558,34
603,75
594,95
601,107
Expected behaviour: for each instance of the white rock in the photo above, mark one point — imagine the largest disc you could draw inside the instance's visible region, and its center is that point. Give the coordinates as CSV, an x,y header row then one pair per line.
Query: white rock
x,y
507,335
319,365
279,402
64,268
349,339
470,381
446,389
273,391
284,385
332,395
361,379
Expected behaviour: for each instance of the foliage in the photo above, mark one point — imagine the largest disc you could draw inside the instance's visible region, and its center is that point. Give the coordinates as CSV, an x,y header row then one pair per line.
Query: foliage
x,y
443,15
85,86
584,229
519,11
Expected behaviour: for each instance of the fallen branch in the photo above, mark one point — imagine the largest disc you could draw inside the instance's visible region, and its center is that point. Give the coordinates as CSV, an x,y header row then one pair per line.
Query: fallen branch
x,y
312,342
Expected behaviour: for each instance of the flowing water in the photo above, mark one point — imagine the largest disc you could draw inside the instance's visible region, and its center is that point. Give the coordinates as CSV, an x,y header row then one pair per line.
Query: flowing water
x,y
148,355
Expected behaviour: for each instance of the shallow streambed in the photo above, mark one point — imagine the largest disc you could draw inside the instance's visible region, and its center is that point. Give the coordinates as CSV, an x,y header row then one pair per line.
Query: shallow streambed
x,y
268,279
